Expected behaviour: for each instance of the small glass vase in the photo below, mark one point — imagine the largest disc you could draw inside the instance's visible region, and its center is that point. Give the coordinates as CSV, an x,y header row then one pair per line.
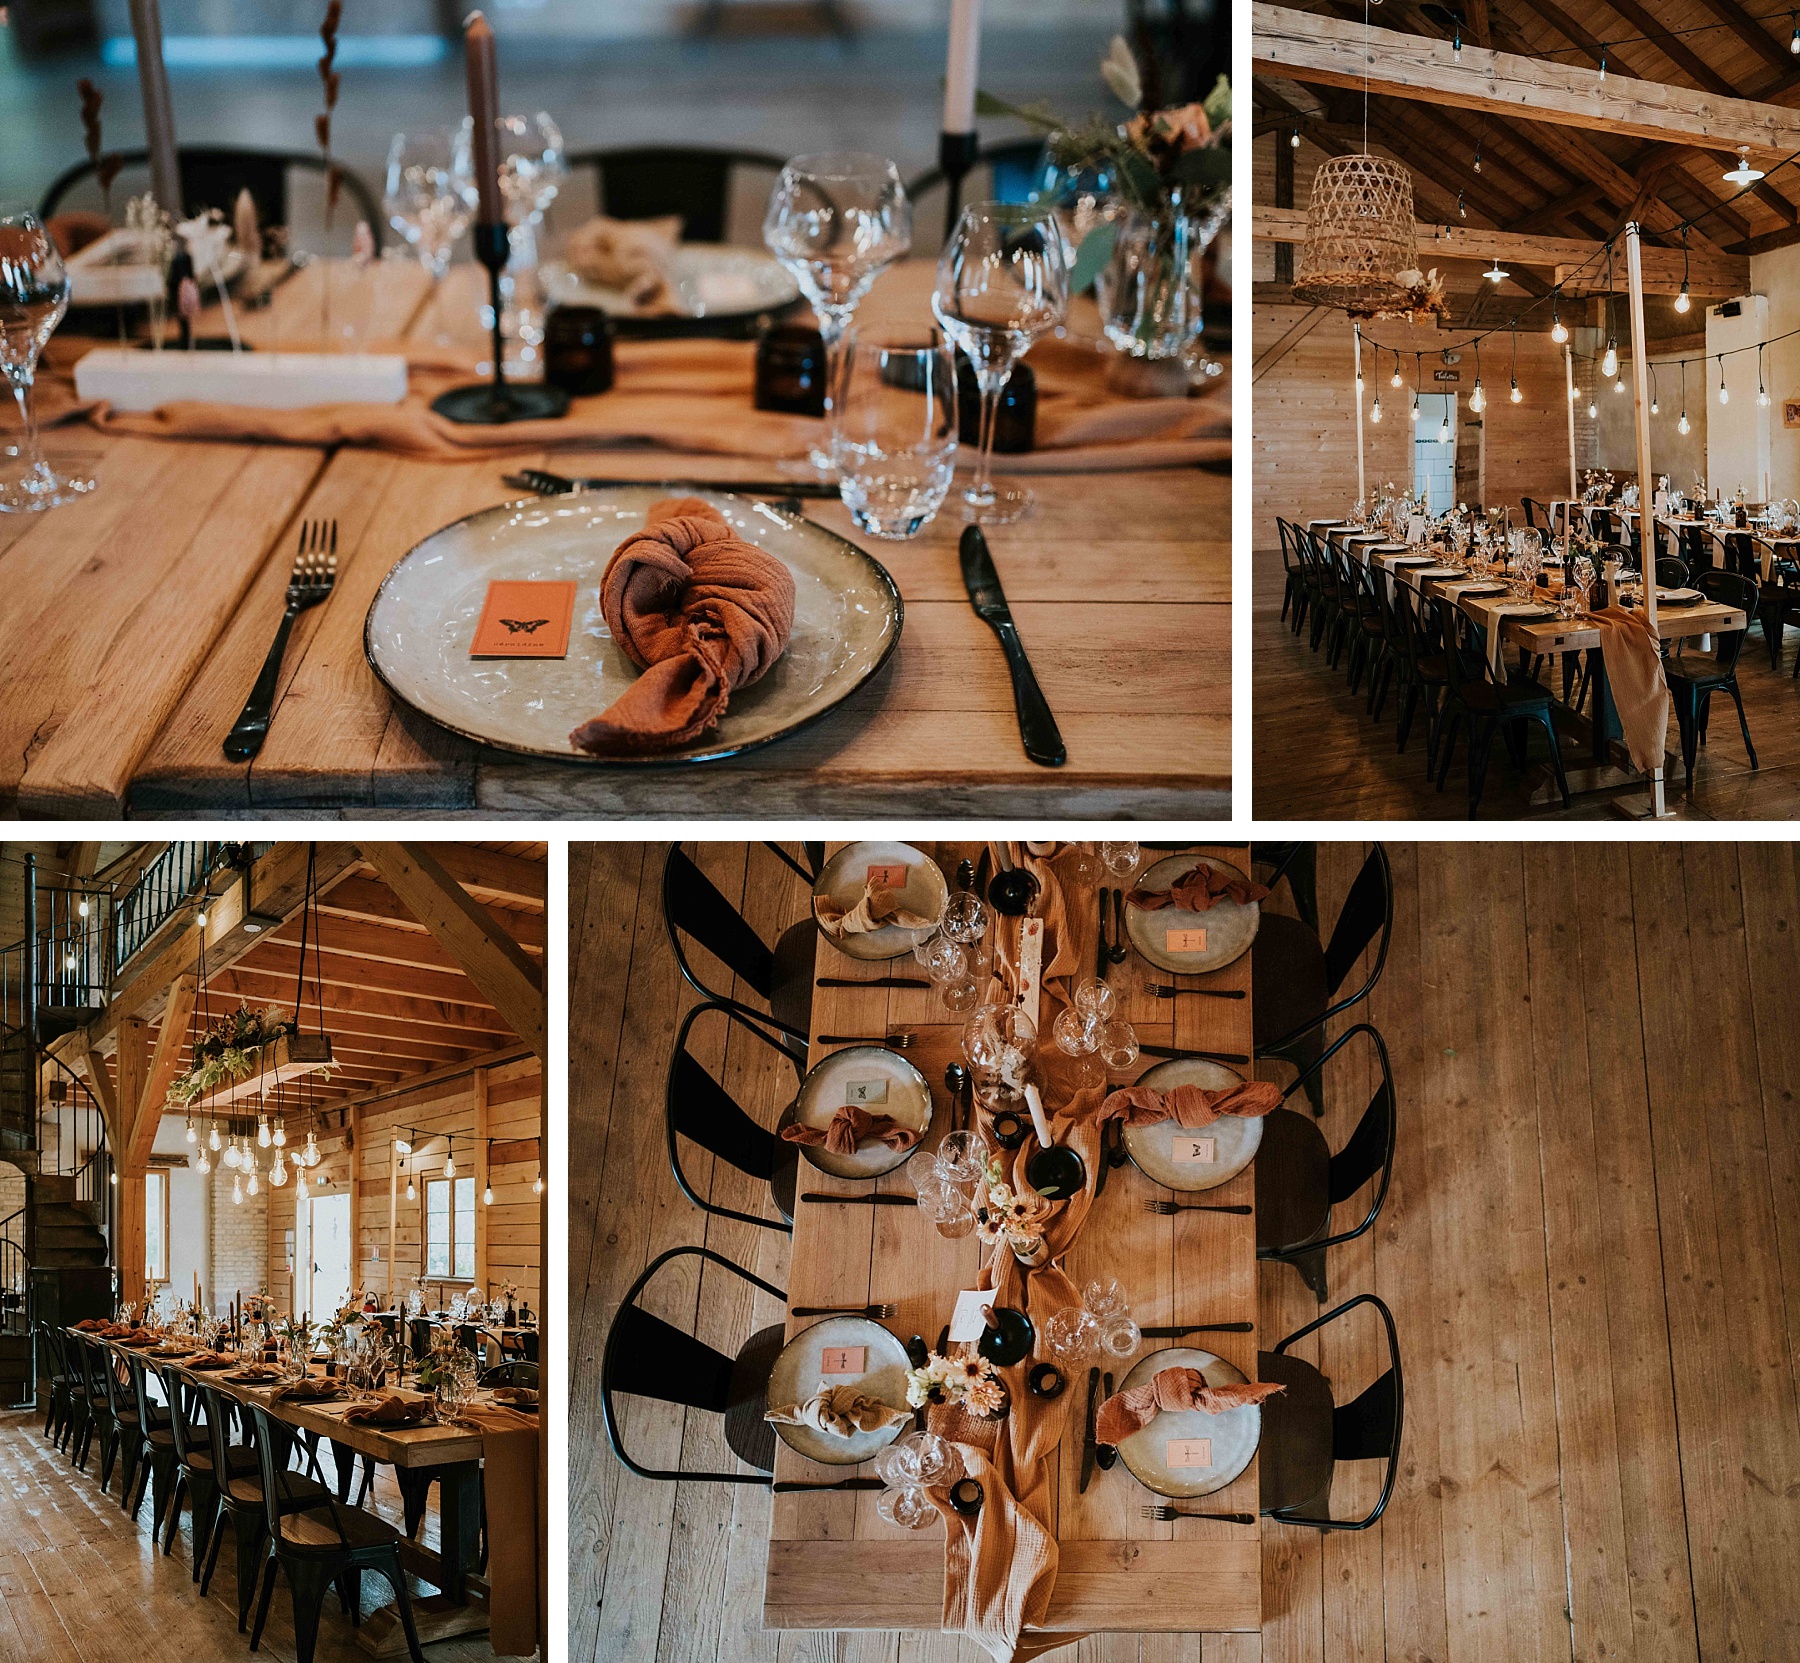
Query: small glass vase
x,y
1030,1251
1151,292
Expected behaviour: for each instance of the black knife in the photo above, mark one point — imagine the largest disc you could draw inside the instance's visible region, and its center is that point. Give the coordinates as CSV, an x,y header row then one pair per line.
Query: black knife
x,y
880,1199
549,484
1087,1436
1175,1333
1106,1454
1037,727
789,1486
1205,1056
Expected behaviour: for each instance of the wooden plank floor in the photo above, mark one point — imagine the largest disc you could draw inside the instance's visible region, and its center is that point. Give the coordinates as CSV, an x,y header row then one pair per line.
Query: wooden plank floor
x,y
82,1583
1591,1247
1317,755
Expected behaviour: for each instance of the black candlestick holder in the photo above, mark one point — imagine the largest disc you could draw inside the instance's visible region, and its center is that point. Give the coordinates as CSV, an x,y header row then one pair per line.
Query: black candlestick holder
x,y
956,156
499,400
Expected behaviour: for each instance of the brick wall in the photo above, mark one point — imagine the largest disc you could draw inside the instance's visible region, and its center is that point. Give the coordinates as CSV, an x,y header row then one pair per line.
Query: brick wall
x,y
240,1240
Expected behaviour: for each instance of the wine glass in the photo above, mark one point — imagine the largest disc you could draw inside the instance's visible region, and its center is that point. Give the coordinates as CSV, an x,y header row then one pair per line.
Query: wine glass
x,y
431,198
34,294
532,169
837,221
965,917
1077,1034
1001,283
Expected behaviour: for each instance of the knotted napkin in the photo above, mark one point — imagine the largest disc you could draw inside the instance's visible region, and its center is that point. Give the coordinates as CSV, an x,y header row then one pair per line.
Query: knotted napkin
x,y
842,1411
702,611
879,909
395,1409
1126,1412
1196,891
1190,1106
851,1127
627,255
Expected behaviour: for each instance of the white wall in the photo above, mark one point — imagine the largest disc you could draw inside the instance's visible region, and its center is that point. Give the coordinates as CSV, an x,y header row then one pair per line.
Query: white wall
x,y
1777,276
190,1218
1737,433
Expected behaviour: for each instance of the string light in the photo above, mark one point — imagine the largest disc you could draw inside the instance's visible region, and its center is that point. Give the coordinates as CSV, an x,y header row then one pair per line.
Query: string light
x,y
1461,211
69,961
1477,399
1744,175
450,1157
537,1183
1655,406
82,907
1456,45
1724,394
1396,380
1443,430
1559,331
1478,155
1593,410
1609,365
1682,425
1603,60
200,918
1294,139
1418,376
1794,42
1762,392
1516,396
1375,410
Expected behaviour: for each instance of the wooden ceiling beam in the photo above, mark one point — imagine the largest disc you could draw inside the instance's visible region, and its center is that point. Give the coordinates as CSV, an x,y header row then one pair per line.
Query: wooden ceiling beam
x,y
165,1064
370,899
1327,51
336,970
460,1016
491,876
512,982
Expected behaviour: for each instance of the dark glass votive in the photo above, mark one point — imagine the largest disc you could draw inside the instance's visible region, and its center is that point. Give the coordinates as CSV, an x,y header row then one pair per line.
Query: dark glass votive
x,y
1056,1173
965,1496
1013,891
1009,1129
578,350
790,370
1046,1380
1015,422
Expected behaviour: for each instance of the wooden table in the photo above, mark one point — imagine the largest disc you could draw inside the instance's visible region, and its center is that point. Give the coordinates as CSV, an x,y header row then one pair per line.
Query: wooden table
x,y
833,1563
136,621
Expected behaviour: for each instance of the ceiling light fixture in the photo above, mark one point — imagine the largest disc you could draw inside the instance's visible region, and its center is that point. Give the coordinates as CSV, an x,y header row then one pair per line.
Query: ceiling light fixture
x,y
1743,175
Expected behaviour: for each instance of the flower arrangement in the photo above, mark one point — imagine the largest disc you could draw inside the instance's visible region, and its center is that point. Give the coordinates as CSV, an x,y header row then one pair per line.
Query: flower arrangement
x,y
1005,1214
440,1361
258,1307
1423,301
967,1381
1596,486
229,1050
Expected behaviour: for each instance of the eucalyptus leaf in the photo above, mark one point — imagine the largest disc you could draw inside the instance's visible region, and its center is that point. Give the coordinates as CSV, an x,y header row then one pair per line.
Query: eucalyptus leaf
x,y
1218,102
1091,258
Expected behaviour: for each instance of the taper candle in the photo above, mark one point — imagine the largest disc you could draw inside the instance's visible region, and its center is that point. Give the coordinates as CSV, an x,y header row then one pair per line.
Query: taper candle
x,y
962,66
484,114
159,112
1036,1104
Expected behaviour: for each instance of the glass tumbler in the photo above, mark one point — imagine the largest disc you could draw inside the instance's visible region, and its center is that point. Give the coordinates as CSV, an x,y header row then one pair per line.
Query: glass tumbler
x,y
894,441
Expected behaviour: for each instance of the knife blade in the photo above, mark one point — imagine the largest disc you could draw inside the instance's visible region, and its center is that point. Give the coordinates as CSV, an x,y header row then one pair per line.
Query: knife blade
x,y
877,981
545,482
1037,727
1175,1333
1087,1436
1106,1454
789,1486
876,1200
1207,1056
1101,957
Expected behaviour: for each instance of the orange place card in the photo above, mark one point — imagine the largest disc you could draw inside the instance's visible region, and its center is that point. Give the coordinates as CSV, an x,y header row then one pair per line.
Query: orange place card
x,y
865,1091
1188,1452
887,877
1188,1148
1184,941
844,1359
525,620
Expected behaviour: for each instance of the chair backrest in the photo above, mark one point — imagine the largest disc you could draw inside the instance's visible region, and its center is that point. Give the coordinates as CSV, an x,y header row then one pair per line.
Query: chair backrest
x,y
647,1357
274,1444
181,1389
419,1328
693,906
697,1107
118,1392
512,1374
212,176
1672,573
1735,590
1532,509
469,1337
140,1388
217,1409
649,181
1367,914
1693,547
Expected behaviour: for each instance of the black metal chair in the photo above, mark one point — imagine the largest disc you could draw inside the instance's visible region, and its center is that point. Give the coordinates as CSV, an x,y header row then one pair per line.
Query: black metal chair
x,y
512,1374
782,975
122,1405
649,181
647,1357
1293,571
318,1542
193,1461
157,1465
1299,1180
697,1107
90,1415
67,1396
1305,1434
1673,574
1295,977
1693,678
1491,710
1423,674
212,176
1299,864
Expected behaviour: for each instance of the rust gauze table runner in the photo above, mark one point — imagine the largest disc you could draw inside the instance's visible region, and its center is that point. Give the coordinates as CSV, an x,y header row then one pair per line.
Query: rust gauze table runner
x,y
509,1475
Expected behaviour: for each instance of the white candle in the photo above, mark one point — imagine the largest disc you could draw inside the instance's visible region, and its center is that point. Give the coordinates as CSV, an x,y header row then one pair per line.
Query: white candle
x,y
159,114
1038,1119
962,66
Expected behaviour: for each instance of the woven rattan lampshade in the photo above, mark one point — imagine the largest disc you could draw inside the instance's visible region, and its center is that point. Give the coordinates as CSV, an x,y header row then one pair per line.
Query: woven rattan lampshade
x,y
1359,236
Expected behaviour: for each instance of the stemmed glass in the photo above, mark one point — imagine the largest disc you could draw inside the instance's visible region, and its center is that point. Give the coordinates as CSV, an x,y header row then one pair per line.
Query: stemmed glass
x,y
837,221
34,294
532,170
431,198
1001,283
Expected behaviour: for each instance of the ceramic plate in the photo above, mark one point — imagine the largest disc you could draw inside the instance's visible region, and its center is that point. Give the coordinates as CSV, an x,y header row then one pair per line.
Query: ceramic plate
x,y
796,1377
1230,928
705,281
825,1090
1236,1137
847,620
1234,1435
925,894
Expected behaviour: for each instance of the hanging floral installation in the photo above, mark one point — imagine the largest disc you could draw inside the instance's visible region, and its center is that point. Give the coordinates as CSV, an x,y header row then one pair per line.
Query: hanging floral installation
x,y
229,1051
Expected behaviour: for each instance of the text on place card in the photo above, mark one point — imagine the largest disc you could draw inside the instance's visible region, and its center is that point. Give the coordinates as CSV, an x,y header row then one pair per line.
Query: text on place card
x,y
865,1091
844,1359
1188,1452
965,1320
892,876
1189,1148
1185,941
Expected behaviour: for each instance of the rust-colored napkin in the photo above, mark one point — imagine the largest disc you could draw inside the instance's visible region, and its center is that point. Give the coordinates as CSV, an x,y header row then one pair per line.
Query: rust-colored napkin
x,y
310,1390
1189,1105
394,1409
1126,1412
1196,891
841,1411
1634,671
851,1127
878,909
702,611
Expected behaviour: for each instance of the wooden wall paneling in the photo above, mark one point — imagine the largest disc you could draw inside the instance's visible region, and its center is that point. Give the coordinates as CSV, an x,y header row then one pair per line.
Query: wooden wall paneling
x,y
478,1086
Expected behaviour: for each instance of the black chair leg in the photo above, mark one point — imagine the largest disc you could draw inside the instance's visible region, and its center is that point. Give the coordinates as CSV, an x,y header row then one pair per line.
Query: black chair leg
x,y
308,1583
1451,724
1409,703
403,1601
1312,1272
172,1521
204,1497
248,1529
262,1604
1481,742
1731,687
1556,761
212,1558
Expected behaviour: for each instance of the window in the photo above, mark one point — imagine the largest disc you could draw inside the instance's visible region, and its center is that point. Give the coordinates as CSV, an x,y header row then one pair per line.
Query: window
x,y
450,1229
156,1227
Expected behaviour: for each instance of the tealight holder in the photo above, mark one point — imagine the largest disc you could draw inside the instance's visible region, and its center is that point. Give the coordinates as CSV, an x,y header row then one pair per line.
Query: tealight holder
x,y
965,1497
1046,1381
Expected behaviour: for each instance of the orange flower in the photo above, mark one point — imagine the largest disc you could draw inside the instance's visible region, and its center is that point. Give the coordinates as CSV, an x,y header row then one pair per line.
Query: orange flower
x,y
1182,128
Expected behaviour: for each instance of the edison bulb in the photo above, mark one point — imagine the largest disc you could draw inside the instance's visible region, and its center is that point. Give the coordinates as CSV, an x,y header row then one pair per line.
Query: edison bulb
x,y
487,1196
1375,411
232,1158
214,1140
278,1174
411,1193
1415,412
1516,395
1609,365
202,1165
1444,431
537,1185
263,1135
192,1135
253,1185
1762,396
237,1192
1559,331
1593,411
300,1188
280,1134
1478,399
1655,408
1394,380
82,907
1681,300
1682,425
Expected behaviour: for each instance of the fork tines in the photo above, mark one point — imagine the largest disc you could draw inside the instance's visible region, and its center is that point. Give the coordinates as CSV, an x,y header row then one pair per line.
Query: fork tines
x,y
1163,1209
315,561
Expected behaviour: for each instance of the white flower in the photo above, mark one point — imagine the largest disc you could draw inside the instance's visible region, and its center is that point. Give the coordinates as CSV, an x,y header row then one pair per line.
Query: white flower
x,y
1000,1196
1118,69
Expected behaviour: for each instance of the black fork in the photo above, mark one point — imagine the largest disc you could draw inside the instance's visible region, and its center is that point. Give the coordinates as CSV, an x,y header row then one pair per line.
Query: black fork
x,y
315,571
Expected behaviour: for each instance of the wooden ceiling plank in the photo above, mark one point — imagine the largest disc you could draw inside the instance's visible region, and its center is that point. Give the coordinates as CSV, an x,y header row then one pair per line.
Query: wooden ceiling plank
x,y
336,969
368,898
165,1064
1330,52
460,1016
489,957
493,876
1734,16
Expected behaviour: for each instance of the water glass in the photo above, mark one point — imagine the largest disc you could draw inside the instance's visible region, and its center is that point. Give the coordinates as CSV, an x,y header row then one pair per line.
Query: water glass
x,y
945,960
1120,1336
909,1508
944,1203
1093,997
837,221
34,294
430,198
1073,1335
961,1158
1105,1297
1118,1044
1001,283
1120,859
894,440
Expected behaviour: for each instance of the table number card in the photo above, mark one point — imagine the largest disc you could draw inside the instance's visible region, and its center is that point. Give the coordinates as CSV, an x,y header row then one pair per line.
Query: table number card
x,y
844,1359
1031,966
1191,1148
865,1091
525,620
965,1320
1184,941
1188,1452
892,876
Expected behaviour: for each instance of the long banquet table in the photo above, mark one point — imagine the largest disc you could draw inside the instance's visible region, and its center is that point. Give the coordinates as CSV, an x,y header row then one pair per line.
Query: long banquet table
x,y
136,621
833,1563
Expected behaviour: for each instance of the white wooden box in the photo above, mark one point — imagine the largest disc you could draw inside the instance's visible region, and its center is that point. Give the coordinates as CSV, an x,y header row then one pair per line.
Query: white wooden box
x,y
133,380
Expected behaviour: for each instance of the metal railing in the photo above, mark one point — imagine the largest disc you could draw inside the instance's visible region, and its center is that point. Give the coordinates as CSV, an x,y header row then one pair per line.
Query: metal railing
x,y
162,889
14,1274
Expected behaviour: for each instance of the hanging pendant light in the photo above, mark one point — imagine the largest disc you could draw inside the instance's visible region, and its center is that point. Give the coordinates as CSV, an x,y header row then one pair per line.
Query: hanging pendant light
x,y
192,1135
213,1140
1762,392
1443,430
1559,331
1496,273
280,1133
252,1186
201,1164
1477,399
300,1187
1515,395
263,1136
1375,410
537,1184
1743,175
1609,365
1681,300
1395,382
1593,411
278,1172
237,1192
1724,394
232,1158
1682,425
1359,237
